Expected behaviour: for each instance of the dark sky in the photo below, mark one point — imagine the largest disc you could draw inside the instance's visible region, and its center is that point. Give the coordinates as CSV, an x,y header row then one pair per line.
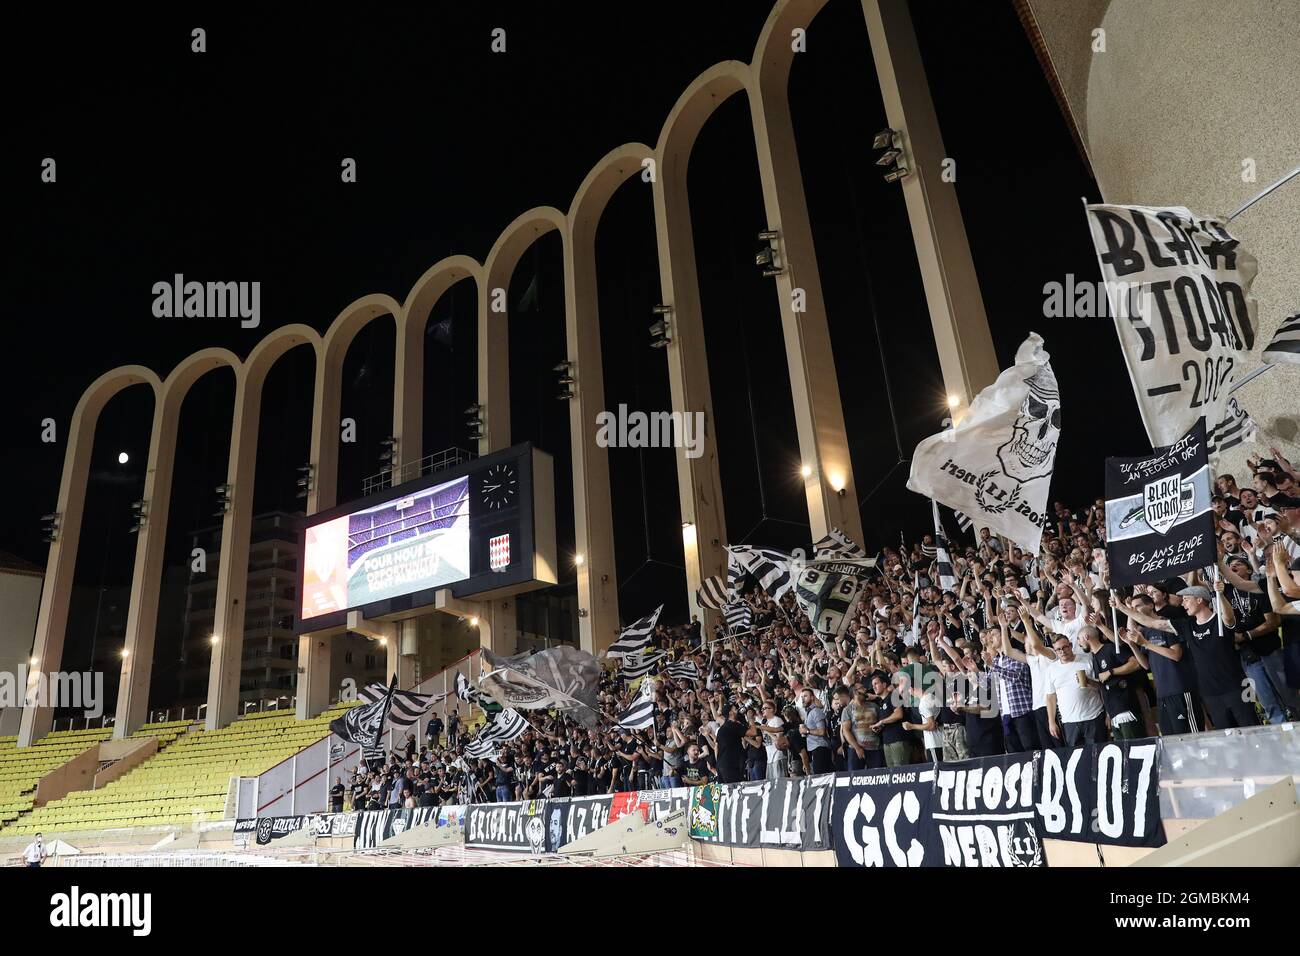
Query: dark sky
x,y
225,166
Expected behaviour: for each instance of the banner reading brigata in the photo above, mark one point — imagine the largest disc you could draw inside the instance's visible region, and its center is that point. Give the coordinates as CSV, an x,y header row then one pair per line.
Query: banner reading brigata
x,y
996,464
1179,289
1158,518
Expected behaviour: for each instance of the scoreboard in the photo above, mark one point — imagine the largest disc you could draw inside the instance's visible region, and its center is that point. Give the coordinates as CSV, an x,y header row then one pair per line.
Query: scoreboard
x,y
485,528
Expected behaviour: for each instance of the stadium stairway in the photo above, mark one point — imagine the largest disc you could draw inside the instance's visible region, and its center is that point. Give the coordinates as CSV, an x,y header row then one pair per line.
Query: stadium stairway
x,y
186,780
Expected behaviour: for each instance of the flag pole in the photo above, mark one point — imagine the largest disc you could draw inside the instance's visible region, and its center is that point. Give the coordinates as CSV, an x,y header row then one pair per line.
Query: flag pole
x,y
1267,189
1114,621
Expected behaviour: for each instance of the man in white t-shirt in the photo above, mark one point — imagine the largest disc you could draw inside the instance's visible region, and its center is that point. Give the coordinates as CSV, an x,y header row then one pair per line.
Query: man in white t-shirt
x,y
1074,703
929,705
773,727
35,851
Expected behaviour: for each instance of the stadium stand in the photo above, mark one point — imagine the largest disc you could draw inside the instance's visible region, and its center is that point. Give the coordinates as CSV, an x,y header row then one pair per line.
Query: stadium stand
x,y
189,775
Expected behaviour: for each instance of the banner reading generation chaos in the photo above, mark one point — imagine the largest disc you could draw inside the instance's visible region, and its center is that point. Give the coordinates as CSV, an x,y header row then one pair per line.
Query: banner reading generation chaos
x,y
1158,518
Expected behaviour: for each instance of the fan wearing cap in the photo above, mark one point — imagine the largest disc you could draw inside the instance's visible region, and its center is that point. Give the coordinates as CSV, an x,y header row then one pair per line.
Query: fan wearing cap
x,y
1218,667
1257,637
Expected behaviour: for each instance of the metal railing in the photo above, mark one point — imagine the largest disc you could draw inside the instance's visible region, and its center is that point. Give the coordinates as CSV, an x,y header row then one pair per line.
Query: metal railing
x,y
439,461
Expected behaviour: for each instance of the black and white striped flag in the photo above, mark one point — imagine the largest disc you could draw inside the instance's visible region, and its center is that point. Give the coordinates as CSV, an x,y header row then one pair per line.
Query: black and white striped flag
x,y
467,691
837,544
1285,345
363,725
506,726
642,712
635,638
684,670
712,593
638,665
738,615
963,521
407,707
1236,428
770,567
947,577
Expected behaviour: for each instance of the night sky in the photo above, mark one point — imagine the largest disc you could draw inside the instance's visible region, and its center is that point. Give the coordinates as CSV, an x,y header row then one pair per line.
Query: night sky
x,y
225,166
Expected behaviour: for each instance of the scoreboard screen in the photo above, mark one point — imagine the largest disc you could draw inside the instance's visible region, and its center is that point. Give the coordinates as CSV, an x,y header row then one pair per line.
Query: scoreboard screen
x,y
486,525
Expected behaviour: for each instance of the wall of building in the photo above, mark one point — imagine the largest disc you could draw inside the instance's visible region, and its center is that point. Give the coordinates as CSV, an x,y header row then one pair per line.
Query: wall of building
x,y
1185,92
20,600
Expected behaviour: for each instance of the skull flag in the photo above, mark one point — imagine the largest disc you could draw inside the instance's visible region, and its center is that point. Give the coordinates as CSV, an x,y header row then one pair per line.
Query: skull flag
x,y
996,464
1158,518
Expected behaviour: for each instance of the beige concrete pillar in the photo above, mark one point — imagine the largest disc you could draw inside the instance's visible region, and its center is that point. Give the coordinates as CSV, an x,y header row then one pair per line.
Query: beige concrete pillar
x,y
597,577
819,416
313,691
699,483
494,320
56,591
146,580
952,292
236,526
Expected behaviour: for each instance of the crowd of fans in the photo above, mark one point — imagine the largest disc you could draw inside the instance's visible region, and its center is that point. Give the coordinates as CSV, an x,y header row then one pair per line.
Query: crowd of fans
x,y
1020,654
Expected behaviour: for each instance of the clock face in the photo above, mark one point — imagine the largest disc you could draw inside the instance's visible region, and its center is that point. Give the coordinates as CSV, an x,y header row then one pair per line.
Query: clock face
x,y
500,486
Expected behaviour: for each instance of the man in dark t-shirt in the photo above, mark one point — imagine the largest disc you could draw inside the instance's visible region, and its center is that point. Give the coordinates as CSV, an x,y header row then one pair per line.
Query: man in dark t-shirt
x,y
1218,667
731,757
1178,701
696,770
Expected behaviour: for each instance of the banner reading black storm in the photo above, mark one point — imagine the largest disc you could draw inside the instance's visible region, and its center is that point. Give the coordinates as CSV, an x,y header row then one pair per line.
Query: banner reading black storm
x,y
1179,291
791,813
1158,518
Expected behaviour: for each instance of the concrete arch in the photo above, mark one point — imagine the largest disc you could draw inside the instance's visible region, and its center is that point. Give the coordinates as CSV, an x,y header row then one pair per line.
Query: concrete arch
x,y
593,521
56,591
699,482
329,374
236,525
408,369
773,52
494,327
146,578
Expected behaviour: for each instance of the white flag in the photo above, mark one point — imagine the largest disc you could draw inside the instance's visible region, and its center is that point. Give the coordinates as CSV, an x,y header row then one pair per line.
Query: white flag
x,y
1179,288
996,464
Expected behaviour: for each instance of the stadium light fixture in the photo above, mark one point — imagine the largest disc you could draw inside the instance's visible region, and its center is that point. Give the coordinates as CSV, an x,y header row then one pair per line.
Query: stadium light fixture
x,y
578,560
50,526
890,142
33,661
214,639
474,422
473,622
953,401
123,458
769,256
661,332
308,480
566,381
139,515
223,499
805,471
125,653
388,458
383,642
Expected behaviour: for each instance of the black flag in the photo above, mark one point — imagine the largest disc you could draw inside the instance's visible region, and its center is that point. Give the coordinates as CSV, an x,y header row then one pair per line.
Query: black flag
x,y
363,725
1158,518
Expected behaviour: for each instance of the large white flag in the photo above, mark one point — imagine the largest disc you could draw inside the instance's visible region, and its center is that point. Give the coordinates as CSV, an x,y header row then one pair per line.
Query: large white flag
x,y
997,463
1179,289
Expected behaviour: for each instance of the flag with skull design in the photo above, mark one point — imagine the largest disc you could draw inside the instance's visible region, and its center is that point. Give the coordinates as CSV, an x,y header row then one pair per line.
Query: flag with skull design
x,y
995,464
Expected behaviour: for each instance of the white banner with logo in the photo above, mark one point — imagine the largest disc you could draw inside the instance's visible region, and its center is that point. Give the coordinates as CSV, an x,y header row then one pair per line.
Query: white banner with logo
x,y
1179,289
996,464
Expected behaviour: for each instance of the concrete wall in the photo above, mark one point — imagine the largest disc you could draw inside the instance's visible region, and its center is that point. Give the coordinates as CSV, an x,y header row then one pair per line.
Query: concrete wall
x,y
1185,91
20,599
